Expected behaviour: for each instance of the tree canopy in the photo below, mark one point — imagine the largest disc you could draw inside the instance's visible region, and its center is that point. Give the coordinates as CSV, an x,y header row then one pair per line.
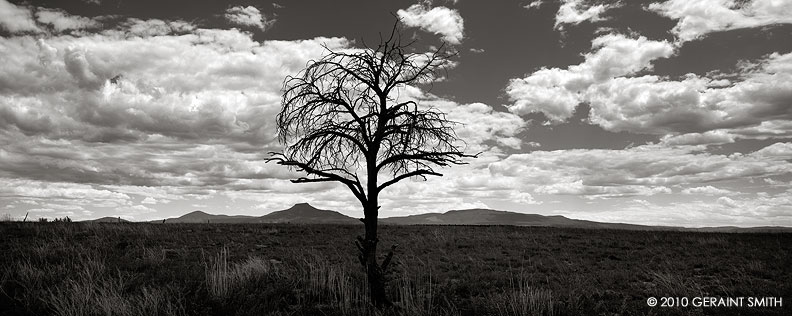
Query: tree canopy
x,y
342,115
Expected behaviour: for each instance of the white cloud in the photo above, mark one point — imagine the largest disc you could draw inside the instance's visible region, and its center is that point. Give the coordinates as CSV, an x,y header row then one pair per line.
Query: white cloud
x,y
726,201
706,190
777,151
480,126
16,19
766,129
553,92
149,28
694,139
699,18
556,92
248,16
534,5
62,21
618,55
438,20
574,12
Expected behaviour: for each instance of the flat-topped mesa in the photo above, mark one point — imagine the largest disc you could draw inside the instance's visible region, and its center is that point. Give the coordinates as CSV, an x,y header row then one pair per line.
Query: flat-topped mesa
x,y
306,213
303,207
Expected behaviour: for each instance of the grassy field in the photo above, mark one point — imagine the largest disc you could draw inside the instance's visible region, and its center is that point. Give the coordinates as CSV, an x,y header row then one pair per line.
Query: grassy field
x,y
240,269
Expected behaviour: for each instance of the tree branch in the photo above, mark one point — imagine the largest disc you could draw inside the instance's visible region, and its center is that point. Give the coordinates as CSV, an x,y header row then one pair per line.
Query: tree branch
x,y
354,185
417,173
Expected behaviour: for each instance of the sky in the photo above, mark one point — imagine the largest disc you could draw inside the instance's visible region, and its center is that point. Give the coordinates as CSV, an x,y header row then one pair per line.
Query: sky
x,y
647,112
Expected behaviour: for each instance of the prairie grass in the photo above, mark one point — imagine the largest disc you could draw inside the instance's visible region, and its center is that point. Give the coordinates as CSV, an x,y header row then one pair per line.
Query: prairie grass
x,y
224,269
223,278
522,299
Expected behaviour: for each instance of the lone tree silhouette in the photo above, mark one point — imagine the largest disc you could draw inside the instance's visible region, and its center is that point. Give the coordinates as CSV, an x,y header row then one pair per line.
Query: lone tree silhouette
x,y
341,121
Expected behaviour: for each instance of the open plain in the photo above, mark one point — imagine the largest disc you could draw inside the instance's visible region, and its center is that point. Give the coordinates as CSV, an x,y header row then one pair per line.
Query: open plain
x,y
288,269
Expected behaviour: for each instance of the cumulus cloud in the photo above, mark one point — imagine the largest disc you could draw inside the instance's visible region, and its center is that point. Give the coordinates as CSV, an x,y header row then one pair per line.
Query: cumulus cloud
x,y
248,16
207,84
573,12
556,92
651,104
438,20
699,18
754,105
149,103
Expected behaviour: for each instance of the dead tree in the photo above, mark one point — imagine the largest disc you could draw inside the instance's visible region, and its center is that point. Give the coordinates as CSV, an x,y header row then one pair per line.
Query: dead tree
x,y
342,121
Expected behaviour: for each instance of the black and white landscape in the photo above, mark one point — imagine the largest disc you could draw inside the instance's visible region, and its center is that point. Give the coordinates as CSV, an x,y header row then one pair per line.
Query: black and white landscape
x,y
416,157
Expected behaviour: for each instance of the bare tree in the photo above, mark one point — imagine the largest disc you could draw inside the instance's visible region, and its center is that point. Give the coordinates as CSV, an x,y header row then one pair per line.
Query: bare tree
x,y
342,121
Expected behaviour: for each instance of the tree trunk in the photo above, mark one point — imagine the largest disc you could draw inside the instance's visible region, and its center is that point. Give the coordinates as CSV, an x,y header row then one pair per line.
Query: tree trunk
x,y
368,259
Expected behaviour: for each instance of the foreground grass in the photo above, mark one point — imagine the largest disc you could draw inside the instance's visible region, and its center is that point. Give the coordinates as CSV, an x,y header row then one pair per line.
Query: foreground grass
x,y
238,269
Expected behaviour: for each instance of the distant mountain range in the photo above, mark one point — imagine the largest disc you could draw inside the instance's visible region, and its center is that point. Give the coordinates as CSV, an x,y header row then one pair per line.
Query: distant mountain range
x,y
304,213
494,217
